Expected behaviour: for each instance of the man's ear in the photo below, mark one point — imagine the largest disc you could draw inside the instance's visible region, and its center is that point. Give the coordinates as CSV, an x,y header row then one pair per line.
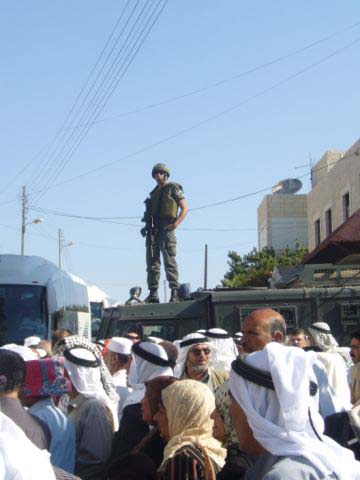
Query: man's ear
x,y
279,337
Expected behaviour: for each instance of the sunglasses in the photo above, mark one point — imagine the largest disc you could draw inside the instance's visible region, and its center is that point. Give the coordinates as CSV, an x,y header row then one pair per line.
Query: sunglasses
x,y
161,172
132,337
199,351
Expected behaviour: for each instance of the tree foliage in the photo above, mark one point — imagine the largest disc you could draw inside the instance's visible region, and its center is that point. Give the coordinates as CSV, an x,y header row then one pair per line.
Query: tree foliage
x,y
255,268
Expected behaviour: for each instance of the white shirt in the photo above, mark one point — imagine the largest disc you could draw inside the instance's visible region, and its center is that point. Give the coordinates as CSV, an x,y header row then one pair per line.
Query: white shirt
x,y
120,382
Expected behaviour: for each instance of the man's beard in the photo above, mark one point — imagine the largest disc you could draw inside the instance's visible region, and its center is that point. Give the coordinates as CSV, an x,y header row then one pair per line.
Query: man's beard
x,y
197,368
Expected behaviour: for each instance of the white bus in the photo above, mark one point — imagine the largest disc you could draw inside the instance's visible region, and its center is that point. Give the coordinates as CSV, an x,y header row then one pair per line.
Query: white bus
x,y
36,297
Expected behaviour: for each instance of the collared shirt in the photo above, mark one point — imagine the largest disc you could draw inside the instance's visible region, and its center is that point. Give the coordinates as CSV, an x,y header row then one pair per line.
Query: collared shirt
x,y
62,445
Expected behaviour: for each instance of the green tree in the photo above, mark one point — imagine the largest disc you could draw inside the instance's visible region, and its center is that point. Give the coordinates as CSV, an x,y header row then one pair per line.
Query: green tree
x,y
255,268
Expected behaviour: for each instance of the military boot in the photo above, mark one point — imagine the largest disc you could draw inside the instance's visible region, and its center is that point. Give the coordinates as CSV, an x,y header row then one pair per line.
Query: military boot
x,y
153,296
174,295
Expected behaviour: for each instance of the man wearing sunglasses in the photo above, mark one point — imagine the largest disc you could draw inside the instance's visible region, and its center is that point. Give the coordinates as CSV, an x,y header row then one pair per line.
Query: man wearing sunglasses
x,y
194,362
162,218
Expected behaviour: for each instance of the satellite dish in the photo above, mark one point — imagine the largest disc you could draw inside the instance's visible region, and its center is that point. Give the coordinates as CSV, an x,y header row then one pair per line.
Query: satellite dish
x,y
288,186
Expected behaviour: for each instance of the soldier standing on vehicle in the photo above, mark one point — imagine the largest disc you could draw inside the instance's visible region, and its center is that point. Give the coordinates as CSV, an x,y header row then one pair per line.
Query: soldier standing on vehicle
x,y
161,218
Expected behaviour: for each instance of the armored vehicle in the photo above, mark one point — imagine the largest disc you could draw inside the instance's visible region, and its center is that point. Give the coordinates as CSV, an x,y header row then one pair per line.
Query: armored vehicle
x,y
303,295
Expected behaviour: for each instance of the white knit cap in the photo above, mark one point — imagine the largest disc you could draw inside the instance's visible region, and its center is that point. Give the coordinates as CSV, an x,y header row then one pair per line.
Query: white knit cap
x,y
120,345
31,341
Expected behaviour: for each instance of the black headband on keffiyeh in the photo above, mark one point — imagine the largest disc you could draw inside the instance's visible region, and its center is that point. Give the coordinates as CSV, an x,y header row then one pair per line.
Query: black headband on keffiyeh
x,y
148,356
321,330
193,341
217,335
76,341
260,377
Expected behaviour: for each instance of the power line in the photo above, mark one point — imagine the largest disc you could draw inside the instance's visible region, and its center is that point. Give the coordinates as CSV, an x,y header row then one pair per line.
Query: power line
x,y
210,118
77,100
163,102
65,141
114,82
210,205
228,79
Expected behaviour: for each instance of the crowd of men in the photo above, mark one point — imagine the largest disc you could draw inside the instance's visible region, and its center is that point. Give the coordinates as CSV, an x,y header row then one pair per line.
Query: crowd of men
x,y
260,404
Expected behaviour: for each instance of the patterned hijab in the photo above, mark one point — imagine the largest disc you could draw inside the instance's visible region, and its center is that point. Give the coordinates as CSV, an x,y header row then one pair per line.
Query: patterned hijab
x,y
45,378
188,406
222,401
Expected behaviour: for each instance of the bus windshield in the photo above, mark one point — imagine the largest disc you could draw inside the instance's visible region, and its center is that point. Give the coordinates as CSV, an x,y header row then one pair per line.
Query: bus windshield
x,y
22,313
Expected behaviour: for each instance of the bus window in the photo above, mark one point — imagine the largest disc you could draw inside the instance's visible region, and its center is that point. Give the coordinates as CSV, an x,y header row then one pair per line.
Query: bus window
x,y
22,313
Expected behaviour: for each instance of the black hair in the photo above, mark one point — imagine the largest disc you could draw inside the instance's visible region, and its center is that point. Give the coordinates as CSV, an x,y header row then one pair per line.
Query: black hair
x,y
172,352
12,371
122,357
137,328
355,334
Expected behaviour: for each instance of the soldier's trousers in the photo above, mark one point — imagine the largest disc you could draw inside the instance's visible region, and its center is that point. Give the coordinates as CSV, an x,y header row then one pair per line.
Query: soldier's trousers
x,y
164,242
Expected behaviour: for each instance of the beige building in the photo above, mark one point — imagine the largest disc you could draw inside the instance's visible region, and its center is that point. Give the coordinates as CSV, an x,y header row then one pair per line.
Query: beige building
x,y
282,221
335,193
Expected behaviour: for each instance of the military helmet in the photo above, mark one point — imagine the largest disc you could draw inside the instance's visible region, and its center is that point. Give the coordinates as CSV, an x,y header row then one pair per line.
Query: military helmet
x,y
162,167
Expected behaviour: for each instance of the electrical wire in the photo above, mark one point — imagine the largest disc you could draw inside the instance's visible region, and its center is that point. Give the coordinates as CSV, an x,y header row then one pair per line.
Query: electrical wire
x,y
65,141
163,102
77,99
119,74
211,118
228,79
223,202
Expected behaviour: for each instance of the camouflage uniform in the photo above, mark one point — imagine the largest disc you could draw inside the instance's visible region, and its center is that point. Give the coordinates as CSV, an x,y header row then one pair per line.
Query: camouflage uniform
x,y
162,240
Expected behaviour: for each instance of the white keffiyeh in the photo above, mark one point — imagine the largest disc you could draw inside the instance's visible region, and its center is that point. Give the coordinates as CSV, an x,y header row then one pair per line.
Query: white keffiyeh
x,y
142,370
279,419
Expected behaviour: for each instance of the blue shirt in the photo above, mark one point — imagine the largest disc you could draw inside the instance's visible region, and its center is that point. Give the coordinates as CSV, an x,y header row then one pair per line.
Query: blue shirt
x,y
63,442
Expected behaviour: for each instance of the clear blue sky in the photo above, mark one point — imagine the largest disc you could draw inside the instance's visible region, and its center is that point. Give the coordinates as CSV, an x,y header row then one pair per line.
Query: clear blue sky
x,y
47,51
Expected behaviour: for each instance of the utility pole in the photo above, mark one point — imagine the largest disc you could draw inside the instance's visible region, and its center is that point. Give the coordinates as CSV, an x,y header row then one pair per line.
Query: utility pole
x,y
60,245
206,267
24,212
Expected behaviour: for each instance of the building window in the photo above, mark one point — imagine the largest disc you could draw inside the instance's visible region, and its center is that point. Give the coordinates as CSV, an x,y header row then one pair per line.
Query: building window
x,y
317,232
346,206
328,222
350,313
289,313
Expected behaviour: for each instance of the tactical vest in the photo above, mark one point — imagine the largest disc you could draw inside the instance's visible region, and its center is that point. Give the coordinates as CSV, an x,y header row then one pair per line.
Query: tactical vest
x,y
162,205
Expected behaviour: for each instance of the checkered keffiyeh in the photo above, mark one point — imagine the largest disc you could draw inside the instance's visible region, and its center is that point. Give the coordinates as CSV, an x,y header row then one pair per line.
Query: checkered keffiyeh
x,y
75,341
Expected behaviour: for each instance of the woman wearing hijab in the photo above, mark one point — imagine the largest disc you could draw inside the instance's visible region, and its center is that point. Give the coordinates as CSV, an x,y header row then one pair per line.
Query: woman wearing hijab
x,y
149,451
153,444
184,421
149,361
44,385
236,462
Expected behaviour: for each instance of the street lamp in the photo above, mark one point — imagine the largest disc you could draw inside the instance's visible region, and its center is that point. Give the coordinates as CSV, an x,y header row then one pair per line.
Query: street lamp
x,y
23,230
